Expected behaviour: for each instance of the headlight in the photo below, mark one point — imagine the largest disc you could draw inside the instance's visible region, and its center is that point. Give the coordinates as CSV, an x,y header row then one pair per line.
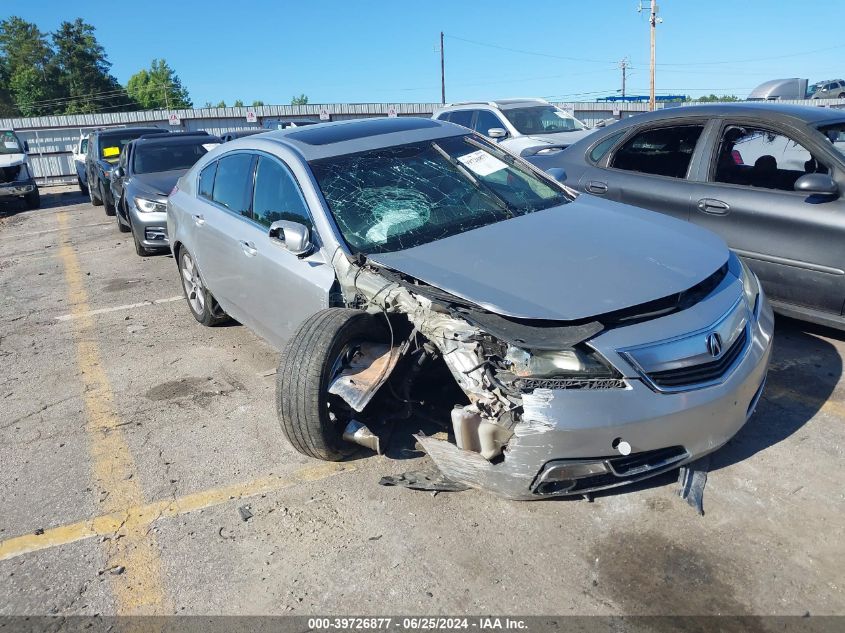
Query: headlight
x,y
150,206
750,286
578,362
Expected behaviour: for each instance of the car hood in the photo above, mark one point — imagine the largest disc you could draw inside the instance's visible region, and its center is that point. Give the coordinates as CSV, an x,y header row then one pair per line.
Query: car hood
x,y
160,183
567,263
10,160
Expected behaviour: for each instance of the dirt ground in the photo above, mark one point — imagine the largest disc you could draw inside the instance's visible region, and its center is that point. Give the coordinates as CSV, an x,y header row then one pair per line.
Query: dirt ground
x,y
134,441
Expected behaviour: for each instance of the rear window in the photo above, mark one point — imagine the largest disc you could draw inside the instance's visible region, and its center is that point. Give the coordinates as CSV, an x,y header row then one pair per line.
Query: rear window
x,y
166,157
111,145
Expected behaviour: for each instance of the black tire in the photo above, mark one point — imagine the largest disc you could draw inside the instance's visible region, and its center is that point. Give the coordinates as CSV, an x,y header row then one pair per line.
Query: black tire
x,y
95,201
33,199
209,313
143,251
109,208
123,228
82,186
303,403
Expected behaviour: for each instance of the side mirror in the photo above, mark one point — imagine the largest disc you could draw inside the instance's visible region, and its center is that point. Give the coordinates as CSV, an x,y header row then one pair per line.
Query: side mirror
x,y
558,173
497,132
818,184
118,172
26,146
293,236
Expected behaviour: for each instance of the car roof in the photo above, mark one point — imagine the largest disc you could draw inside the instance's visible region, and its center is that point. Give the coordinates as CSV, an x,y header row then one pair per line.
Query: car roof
x,y
761,109
118,131
359,135
502,104
175,139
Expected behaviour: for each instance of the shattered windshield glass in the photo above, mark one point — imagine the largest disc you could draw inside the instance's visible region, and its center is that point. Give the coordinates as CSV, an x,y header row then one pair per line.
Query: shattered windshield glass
x,y
10,143
836,135
399,197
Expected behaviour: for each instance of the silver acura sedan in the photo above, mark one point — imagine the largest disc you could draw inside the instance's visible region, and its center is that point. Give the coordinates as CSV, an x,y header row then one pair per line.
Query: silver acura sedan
x,y
563,343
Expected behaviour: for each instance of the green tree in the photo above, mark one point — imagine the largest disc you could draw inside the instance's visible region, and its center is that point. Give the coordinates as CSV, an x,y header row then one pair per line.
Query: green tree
x,y
158,87
302,99
238,103
257,103
713,98
84,71
221,104
28,73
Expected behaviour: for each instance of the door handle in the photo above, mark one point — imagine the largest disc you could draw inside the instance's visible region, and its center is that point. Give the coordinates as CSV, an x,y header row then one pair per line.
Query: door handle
x,y
596,186
713,206
248,248
199,219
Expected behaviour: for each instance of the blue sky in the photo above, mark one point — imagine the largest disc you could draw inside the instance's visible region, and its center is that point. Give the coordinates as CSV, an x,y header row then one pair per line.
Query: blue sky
x,y
385,51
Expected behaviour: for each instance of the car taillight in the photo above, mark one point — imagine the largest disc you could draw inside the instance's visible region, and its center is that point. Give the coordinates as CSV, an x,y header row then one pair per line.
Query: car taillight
x,y
737,157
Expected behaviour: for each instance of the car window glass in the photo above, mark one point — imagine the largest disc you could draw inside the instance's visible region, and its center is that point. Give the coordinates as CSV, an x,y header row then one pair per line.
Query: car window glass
x,y
277,195
83,148
665,151
233,183
486,120
762,158
598,152
461,117
206,183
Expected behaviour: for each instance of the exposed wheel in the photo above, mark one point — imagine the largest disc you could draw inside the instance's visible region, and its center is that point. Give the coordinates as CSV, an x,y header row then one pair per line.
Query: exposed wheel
x,y
82,186
841,95
200,301
33,199
108,207
123,228
95,201
312,419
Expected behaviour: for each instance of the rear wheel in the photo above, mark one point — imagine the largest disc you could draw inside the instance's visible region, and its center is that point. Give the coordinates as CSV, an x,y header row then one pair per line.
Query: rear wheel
x,y
82,186
312,419
33,199
200,301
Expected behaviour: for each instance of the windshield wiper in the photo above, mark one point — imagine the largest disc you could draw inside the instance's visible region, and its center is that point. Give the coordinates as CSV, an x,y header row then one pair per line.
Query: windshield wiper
x,y
480,185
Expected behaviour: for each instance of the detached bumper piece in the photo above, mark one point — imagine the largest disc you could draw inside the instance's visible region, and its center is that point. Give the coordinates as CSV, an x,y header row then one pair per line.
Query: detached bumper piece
x,y
579,476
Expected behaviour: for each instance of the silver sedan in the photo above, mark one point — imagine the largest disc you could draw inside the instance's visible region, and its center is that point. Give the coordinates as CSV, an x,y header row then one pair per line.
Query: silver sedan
x,y
564,343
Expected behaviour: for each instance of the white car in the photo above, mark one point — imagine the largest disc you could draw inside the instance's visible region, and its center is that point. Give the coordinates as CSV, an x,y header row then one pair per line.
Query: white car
x,y
17,180
79,152
532,128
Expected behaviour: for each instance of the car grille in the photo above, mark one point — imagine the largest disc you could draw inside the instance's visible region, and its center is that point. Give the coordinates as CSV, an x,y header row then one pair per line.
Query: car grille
x,y
704,372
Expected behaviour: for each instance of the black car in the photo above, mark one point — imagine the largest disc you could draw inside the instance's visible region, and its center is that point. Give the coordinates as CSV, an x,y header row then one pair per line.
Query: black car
x,y
768,178
104,148
146,173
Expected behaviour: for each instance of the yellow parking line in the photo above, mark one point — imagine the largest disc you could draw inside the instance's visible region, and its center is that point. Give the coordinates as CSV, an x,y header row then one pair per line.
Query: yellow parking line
x,y
829,406
139,589
136,517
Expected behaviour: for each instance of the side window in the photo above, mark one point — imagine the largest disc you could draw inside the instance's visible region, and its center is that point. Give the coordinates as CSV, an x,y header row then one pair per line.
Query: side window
x,y
461,117
206,182
598,152
757,157
665,151
83,146
277,195
485,120
233,183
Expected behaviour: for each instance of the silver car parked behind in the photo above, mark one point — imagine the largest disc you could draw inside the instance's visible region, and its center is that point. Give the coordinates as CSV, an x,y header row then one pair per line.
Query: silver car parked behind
x,y
391,260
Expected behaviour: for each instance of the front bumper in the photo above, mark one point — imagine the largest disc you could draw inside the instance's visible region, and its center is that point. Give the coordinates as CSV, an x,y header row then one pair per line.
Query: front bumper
x,y
565,428
149,228
17,188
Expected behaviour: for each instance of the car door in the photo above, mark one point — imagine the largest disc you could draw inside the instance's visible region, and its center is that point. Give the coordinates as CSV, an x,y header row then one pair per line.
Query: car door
x,y
283,289
649,168
223,228
794,242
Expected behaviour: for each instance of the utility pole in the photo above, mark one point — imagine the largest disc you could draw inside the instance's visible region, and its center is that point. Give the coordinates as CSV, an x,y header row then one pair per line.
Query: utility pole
x,y
624,65
653,21
442,72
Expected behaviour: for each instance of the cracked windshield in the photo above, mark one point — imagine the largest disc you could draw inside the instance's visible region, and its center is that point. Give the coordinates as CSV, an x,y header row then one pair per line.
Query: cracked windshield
x,y
400,197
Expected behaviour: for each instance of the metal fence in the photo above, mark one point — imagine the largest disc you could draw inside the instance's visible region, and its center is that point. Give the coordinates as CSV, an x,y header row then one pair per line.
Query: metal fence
x,y
53,139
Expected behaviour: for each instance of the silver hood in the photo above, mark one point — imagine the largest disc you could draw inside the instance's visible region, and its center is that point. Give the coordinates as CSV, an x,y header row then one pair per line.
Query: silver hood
x,y
567,263
10,160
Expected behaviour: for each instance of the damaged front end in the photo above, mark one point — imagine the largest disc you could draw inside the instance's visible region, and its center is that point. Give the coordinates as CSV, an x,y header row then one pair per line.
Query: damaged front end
x,y
547,413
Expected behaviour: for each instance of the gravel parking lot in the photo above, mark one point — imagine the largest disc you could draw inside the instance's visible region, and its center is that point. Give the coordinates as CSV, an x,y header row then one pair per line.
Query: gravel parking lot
x,y
135,444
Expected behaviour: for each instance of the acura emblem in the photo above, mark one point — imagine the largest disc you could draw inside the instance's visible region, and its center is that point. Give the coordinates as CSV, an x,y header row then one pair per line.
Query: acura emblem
x,y
714,344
